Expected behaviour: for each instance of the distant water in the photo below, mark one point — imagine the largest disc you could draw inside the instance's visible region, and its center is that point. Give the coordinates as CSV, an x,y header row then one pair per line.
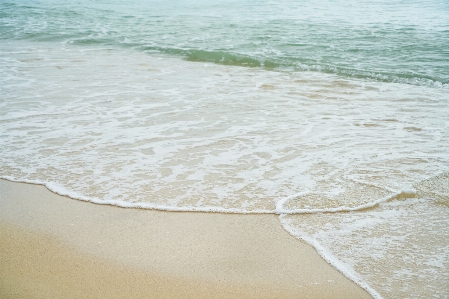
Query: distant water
x,y
332,114
388,41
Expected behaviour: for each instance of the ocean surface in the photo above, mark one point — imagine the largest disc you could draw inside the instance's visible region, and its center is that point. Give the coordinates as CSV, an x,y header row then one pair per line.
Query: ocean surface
x,y
332,114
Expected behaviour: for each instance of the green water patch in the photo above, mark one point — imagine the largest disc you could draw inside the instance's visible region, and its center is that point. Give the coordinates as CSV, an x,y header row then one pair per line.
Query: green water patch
x,y
220,57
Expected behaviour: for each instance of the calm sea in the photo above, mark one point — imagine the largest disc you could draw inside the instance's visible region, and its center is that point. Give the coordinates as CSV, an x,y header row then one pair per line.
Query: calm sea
x,y
332,114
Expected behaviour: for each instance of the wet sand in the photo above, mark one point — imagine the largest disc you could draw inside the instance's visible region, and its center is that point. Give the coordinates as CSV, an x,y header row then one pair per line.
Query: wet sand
x,y
56,247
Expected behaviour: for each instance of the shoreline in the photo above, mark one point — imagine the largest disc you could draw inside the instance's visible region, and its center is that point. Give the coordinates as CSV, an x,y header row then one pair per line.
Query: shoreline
x,y
53,246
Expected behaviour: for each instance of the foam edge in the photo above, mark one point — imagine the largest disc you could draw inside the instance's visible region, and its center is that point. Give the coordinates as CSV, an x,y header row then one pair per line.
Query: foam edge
x,y
60,190
327,255
398,194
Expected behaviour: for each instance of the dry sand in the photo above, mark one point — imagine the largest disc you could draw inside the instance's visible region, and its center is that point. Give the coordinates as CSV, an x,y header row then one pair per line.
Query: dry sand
x,y
56,247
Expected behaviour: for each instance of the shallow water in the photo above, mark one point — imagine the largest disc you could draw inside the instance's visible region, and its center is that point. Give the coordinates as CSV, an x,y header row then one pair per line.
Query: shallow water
x,y
388,41
97,113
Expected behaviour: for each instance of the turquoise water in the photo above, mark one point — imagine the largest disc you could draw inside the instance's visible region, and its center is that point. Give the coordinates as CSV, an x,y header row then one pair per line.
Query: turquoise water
x,y
332,114
388,41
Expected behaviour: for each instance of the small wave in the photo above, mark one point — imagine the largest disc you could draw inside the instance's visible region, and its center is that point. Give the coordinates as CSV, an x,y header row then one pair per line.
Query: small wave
x,y
222,58
298,64
217,57
294,64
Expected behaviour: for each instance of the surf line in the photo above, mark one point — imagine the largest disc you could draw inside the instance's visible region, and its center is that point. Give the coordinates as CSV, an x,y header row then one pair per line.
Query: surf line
x,y
279,210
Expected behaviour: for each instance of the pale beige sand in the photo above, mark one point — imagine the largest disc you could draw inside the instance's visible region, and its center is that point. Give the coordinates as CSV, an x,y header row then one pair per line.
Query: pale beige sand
x,y
56,247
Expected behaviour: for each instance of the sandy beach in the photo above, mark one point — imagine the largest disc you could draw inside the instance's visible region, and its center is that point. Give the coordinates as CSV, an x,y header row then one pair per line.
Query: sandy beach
x,y
57,247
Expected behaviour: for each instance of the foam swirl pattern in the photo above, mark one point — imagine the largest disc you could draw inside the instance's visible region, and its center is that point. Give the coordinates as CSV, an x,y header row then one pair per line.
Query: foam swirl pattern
x,y
203,136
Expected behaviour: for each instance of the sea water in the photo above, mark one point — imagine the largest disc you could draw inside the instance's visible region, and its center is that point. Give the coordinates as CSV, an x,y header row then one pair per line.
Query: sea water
x,y
332,114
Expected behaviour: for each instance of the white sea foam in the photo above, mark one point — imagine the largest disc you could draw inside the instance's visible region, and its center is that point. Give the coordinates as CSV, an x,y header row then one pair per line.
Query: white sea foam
x,y
325,253
123,128
399,248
